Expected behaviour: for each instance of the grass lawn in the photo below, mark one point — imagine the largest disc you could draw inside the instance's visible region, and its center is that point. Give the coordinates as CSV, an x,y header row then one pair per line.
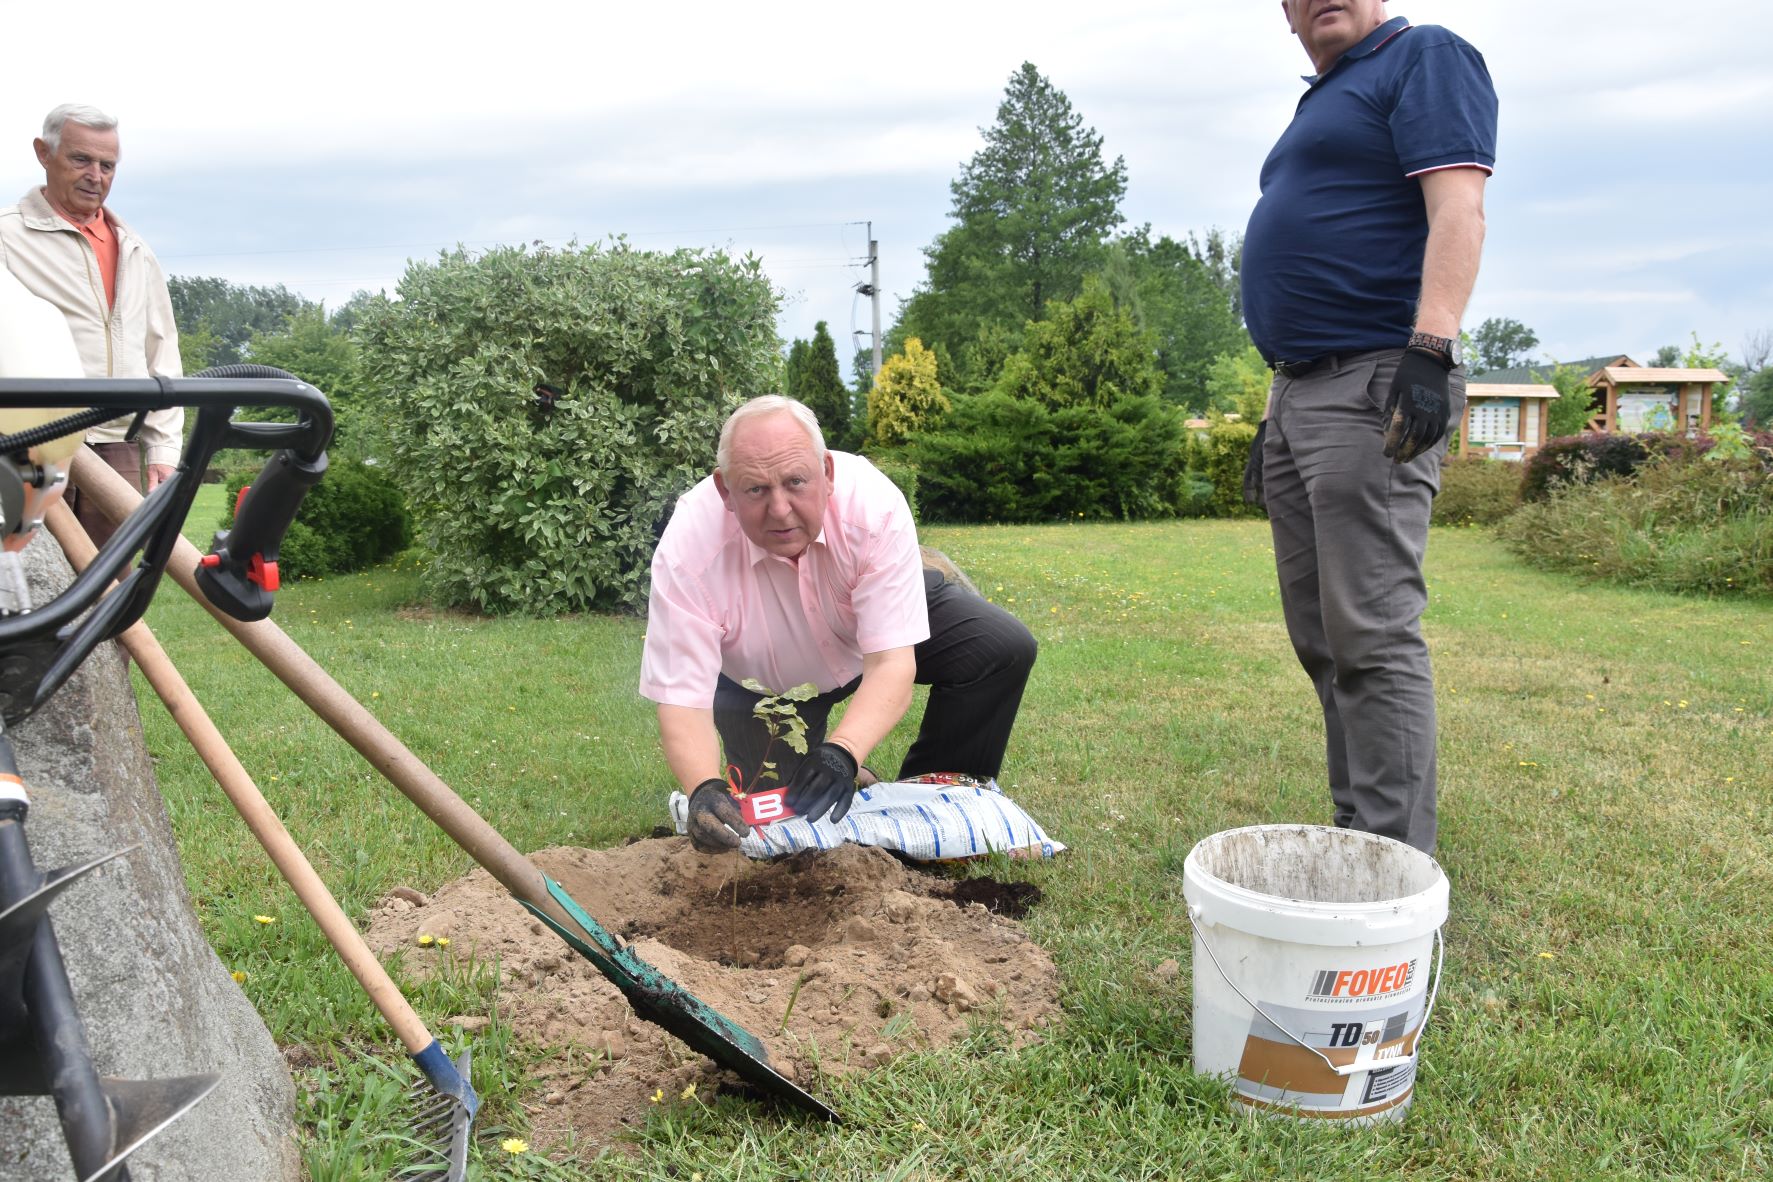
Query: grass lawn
x,y
1606,821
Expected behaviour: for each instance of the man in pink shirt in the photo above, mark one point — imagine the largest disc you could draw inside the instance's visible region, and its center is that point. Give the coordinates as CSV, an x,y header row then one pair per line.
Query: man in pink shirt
x,y
793,564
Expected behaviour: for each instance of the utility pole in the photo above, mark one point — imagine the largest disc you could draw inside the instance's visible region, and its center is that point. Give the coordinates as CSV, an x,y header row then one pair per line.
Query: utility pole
x,y
874,291
871,289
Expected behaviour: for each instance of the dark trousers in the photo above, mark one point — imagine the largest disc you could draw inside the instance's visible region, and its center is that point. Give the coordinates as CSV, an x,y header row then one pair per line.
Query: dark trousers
x,y
976,663
1350,528
126,460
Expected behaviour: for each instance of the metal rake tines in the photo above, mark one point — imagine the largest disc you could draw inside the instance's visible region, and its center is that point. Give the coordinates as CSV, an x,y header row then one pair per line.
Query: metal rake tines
x,y
440,1129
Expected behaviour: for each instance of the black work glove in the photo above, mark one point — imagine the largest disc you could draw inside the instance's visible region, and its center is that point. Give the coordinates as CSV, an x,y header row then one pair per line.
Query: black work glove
x,y
1417,409
825,780
715,822
1253,494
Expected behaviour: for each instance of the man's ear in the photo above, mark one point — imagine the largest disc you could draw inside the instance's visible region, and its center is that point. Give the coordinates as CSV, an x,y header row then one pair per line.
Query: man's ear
x,y
726,497
1287,11
44,155
830,469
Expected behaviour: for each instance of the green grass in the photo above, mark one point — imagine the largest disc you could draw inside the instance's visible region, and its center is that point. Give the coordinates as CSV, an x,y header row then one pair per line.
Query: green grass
x,y
1607,824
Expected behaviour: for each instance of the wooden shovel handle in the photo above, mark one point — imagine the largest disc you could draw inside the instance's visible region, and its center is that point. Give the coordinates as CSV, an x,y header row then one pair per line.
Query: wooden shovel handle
x,y
182,704
344,714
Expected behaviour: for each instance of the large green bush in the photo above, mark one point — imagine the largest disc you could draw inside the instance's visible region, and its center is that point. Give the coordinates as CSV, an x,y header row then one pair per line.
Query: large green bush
x,y
998,457
354,517
1222,458
539,510
1679,524
1476,491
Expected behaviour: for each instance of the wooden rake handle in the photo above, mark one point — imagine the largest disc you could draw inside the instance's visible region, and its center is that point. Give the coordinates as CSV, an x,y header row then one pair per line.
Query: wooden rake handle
x,y
182,704
338,709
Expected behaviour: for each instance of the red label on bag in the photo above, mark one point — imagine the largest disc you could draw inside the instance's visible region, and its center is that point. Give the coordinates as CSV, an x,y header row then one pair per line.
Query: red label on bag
x,y
764,808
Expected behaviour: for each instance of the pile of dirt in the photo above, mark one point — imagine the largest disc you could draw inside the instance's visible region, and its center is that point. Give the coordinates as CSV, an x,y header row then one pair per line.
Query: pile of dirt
x,y
844,958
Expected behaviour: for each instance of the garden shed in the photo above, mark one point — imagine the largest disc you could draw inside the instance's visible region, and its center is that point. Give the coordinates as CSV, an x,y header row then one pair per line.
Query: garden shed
x,y
1504,421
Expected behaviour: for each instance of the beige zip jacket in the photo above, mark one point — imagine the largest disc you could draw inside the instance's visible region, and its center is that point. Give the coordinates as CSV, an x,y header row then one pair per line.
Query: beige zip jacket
x,y
136,338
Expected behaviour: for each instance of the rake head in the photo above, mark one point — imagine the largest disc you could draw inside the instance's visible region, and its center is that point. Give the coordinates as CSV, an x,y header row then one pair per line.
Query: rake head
x,y
446,1113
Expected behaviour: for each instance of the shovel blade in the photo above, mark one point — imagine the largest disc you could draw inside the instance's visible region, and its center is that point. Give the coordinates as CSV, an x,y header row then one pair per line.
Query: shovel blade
x,y
664,1002
142,1108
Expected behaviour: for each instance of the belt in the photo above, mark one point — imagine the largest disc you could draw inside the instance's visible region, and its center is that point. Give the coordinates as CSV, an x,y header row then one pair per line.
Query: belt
x,y
1298,369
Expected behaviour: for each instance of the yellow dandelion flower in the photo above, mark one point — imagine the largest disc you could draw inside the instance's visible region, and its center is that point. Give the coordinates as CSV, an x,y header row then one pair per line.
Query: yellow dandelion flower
x,y
426,940
264,920
375,693
443,941
514,1145
658,1097
688,1093
1548,956
239,977
1682,704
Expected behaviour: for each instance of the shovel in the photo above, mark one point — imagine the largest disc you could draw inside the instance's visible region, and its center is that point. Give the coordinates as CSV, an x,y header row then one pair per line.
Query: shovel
x,y
654,996
453,1114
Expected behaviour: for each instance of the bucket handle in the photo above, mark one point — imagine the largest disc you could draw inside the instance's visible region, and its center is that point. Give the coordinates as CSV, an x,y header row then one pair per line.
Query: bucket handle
x,y
1440,945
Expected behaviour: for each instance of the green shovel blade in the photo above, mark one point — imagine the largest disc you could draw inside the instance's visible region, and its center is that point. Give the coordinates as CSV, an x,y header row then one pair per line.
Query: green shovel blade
x,y
660,1000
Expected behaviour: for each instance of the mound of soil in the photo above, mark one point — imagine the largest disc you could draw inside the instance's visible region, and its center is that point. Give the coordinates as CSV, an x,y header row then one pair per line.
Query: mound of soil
x,y
844,958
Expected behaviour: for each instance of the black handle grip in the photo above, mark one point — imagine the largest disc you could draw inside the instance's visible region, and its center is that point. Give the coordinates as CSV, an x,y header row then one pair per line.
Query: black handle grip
x,y
239,574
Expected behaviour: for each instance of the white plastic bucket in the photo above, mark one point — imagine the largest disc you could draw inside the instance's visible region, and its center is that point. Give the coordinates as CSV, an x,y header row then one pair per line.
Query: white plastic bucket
x,y
1311,967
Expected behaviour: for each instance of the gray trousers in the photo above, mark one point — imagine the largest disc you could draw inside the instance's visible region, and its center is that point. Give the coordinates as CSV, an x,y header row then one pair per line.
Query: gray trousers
x,y
1350,528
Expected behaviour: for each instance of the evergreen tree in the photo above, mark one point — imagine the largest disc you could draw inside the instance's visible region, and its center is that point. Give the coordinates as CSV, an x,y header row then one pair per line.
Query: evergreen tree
x,y
1087,352
819,384
793,368
1032,211
906,396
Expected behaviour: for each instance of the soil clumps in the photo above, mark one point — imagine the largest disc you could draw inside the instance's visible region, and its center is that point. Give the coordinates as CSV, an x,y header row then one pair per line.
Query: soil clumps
x,y
837,960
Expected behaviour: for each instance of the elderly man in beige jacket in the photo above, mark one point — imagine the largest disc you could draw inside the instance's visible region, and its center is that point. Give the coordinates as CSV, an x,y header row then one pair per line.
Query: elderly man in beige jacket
x,y
65,247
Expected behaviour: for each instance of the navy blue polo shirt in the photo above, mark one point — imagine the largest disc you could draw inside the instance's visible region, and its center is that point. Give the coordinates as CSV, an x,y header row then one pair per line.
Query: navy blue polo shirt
x,y
1333,254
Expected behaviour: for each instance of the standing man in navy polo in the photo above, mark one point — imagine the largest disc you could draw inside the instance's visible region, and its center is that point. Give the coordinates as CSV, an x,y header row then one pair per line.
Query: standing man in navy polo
x,y
1358,261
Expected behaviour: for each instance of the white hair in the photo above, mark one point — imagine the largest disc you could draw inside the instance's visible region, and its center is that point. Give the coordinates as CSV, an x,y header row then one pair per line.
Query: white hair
x,y
79,113
769,404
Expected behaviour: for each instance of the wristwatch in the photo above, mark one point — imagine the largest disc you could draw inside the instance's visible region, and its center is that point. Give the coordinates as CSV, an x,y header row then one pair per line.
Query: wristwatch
x,y
1429,343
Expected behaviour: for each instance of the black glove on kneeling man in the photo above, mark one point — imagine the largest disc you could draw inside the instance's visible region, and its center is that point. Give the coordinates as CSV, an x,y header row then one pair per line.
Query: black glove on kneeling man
x,y
824,782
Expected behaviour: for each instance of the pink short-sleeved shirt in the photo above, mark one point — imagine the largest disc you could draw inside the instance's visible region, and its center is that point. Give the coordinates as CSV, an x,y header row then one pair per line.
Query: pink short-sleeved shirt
x,y
722,605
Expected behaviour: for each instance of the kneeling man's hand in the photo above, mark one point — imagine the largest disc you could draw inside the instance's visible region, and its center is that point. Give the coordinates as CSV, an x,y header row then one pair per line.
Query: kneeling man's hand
x,y
715,822
824,781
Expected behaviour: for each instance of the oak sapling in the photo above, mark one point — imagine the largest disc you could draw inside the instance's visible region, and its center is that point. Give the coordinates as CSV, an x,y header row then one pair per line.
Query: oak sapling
x,y
780,715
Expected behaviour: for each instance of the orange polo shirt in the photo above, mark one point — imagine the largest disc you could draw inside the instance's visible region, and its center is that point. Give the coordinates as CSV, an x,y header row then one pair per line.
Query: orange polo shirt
x,y
104,244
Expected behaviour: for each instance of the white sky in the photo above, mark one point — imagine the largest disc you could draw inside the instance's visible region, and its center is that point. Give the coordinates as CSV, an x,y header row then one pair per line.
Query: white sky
x,y
323,145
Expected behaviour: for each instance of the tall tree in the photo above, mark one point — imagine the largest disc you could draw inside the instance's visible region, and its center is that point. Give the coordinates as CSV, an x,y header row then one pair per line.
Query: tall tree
x,y
816,381
1032,210
312,349
1182,293
793,367
1501,343
230,312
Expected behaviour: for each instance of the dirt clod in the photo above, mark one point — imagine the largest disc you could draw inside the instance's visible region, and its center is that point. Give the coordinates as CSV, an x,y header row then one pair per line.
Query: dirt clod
x,y
836,960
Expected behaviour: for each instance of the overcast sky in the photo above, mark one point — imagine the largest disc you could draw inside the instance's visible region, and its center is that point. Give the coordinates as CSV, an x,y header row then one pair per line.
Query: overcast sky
x,y
323,145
